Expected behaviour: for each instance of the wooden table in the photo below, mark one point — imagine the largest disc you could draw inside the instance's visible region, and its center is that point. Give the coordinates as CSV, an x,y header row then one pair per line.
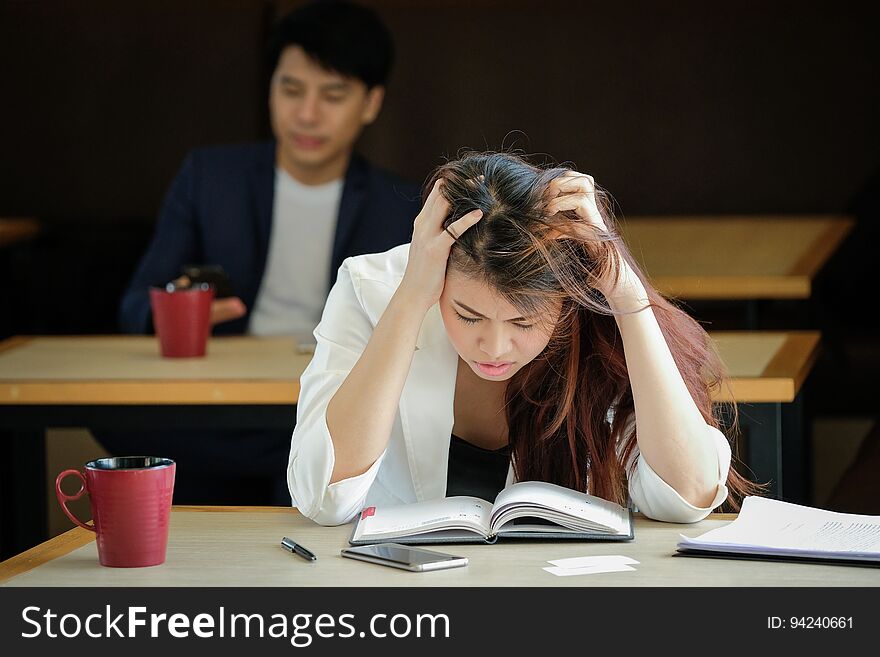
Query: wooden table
x,y
239,546
126,370
738,259
735,257
121,382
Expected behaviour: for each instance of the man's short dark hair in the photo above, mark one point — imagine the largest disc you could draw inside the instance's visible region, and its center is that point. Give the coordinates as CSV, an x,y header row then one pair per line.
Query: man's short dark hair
x,y
344,37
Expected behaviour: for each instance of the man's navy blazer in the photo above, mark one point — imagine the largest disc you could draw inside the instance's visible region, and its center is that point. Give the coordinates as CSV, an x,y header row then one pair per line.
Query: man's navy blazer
x,y
218,211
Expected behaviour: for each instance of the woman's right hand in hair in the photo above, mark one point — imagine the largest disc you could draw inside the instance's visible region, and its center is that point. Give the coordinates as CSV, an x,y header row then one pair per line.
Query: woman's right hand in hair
x,y
429,251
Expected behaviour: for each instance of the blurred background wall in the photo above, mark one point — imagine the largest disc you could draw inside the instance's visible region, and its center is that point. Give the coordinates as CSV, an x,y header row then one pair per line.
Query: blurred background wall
x,y
676,108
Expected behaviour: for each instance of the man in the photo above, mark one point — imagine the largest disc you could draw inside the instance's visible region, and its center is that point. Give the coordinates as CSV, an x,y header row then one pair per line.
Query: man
x,y
279,217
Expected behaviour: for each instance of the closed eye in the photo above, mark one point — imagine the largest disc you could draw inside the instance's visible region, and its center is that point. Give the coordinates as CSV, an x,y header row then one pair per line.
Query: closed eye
x,y
474,320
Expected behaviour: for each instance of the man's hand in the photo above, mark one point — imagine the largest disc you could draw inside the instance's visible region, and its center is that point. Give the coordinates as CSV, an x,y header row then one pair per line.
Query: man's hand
x,y
222,310
225,310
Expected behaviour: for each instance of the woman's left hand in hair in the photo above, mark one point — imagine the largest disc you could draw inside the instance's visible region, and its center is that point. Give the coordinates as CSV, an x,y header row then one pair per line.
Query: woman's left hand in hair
x,y
575,192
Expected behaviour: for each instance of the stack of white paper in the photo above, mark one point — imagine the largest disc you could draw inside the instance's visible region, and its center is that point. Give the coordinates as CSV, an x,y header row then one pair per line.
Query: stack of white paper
x,y
780,529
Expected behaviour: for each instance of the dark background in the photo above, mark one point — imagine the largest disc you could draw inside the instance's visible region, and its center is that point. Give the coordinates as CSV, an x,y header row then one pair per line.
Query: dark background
x,y
745,107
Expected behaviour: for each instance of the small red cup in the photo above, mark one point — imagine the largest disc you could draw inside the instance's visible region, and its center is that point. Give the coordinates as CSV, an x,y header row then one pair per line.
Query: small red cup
x,y
182,319
130,497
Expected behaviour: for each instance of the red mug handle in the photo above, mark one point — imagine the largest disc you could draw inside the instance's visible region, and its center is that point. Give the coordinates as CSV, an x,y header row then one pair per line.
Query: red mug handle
x,y
64,498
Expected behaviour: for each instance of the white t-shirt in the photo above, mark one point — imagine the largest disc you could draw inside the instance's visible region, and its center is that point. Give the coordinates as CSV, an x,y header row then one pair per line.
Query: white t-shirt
x,y
295,283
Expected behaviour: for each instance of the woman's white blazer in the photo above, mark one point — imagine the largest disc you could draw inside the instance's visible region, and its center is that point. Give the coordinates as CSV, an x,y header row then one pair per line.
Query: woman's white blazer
x,y
413,466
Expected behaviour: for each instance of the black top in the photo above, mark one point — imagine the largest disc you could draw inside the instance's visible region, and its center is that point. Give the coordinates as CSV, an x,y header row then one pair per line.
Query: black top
x,y
476,471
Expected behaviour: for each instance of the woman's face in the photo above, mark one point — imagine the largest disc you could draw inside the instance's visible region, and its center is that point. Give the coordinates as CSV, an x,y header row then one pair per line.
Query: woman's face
x,y
489,334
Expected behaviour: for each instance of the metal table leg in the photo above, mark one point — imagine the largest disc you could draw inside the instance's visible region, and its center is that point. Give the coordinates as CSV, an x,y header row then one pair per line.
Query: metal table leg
x,y
777,448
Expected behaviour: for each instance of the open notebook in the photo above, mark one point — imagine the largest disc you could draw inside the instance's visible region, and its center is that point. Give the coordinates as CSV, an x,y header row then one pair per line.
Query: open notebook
x,y
529,509
772,529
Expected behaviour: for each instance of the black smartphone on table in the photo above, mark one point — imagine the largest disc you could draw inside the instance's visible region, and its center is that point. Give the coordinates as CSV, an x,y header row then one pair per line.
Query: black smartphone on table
x,y
405,557
213,275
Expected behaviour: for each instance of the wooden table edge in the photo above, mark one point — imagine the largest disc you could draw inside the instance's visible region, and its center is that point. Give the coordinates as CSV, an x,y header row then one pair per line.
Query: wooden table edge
x,y
782,377
744,287
158,392
77,537
14,342
795,358
824,247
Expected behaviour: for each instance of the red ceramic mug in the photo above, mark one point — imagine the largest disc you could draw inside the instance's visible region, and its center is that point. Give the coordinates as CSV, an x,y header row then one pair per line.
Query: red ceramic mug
x,y
182,319
130,498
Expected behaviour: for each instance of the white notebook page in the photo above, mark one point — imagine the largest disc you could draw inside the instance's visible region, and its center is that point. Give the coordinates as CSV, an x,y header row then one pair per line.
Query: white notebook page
x,y
768,523
449,512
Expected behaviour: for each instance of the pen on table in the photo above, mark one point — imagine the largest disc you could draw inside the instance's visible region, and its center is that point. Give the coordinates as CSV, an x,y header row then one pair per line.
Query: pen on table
x,y
296,548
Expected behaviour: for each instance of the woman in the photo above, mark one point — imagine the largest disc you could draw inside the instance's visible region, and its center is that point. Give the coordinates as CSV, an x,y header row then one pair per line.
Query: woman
x,y
513,339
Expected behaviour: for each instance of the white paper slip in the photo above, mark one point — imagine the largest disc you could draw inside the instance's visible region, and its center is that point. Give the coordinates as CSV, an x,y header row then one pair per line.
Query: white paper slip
x,y
590,570
598,560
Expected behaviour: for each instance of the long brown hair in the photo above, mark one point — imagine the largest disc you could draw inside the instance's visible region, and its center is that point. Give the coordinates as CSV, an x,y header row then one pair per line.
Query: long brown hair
x,y
558,405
